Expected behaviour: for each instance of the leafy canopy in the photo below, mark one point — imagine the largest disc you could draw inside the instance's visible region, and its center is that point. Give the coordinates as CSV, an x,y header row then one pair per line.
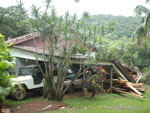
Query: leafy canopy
x,y
14,21
4,50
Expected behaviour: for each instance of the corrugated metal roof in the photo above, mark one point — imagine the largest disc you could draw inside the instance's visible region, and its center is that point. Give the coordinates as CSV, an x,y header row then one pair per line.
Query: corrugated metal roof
x,y
23,38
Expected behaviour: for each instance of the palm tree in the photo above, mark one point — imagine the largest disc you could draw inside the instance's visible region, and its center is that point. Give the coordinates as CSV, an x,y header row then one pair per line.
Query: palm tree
x,y
143,30
85,15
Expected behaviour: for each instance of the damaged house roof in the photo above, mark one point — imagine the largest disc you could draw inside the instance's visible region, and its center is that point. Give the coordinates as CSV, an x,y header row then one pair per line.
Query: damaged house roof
x,y
32,43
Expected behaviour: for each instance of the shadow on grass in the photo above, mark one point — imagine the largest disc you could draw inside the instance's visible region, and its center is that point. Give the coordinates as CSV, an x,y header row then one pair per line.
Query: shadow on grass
x,y
131,97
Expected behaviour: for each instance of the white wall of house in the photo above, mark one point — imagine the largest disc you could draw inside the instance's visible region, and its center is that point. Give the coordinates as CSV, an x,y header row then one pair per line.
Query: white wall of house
x,y
20,53
23,58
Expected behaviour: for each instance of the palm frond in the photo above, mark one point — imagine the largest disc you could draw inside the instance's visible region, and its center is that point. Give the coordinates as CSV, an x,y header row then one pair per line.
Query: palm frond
x,y
4,91
3,66
147,22
140,33
140,9
147,1
86,15
47,3
35,11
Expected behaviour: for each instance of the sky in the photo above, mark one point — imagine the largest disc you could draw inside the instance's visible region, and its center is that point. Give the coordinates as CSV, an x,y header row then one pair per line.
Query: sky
x,y
113,7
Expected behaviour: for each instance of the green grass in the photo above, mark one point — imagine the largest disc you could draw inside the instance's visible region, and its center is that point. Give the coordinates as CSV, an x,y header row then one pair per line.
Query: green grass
x,y
109,103
106,103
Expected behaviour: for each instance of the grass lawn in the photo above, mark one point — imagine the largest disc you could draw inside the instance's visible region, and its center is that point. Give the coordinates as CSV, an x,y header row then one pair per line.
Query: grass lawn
x,y
109,103
106,103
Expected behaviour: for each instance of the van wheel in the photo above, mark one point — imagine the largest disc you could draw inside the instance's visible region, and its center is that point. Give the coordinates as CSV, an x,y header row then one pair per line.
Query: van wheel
x,y
19,94
71,89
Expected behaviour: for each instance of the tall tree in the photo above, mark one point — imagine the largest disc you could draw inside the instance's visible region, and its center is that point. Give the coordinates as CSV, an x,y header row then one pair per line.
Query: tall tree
x,y
52,29
13,21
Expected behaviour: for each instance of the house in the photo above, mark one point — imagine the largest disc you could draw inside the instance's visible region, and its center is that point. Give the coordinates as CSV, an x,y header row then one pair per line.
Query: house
x,y
24,49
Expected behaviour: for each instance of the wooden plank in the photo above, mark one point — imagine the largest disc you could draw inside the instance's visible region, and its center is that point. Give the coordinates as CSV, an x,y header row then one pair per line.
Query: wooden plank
x,y
138,85
119,72
141,89
134,89
120,81
139,77
130,85
133,94
123,71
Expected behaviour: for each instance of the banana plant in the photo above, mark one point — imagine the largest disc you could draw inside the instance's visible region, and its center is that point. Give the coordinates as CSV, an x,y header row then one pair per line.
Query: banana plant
x,y
5,80
4,51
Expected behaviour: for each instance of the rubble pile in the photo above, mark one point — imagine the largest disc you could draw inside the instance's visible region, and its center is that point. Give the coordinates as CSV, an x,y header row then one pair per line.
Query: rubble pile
x,y
124,80
123,86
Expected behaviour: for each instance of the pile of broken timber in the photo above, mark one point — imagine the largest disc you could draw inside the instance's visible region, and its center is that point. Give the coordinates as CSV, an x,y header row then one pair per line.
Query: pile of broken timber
x,y
126,87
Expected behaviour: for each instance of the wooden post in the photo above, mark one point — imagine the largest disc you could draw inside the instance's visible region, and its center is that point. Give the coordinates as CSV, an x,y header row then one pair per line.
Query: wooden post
x,y
111,77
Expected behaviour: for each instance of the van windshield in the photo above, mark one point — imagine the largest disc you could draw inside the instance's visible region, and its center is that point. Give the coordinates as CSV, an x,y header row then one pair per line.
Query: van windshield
x,y
25,71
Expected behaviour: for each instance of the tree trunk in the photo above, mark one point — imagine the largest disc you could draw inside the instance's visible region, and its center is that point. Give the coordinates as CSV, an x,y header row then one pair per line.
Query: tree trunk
x,y
52,94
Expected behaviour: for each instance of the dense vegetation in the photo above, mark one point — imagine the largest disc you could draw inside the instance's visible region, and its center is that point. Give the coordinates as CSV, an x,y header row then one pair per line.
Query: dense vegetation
x,y
124,26
4,51
5,83
13,21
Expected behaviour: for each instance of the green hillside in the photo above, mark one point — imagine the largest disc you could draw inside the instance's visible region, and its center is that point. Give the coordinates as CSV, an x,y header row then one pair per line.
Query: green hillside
x,y
124,26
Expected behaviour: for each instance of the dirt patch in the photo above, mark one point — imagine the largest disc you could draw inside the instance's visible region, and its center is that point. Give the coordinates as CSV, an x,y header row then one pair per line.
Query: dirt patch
x,y
40,105
73,95
37,106
76,94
